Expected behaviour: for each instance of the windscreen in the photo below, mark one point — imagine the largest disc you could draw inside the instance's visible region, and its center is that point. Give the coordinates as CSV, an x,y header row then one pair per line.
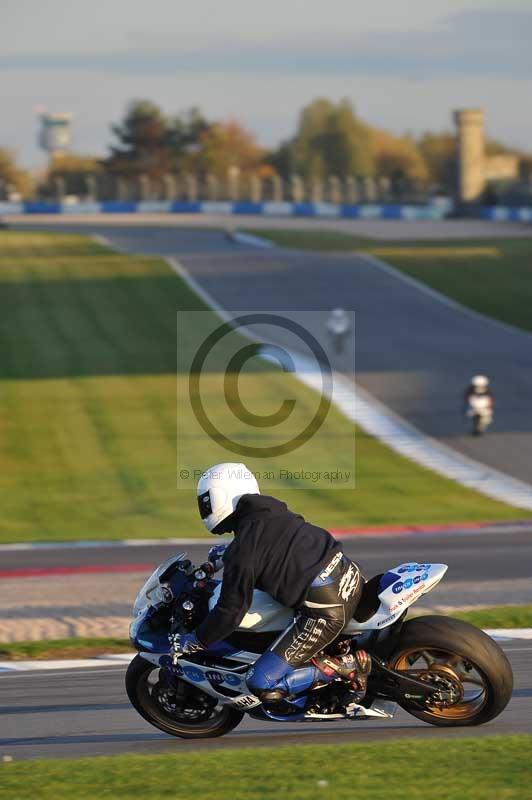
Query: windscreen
x,y
152,593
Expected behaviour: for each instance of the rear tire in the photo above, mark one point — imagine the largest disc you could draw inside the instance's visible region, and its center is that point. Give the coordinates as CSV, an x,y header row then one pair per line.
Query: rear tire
x,y
458,642
222,720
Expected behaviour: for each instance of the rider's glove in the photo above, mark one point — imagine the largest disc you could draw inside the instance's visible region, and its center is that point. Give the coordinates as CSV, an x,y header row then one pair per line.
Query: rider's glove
x,y
216,556
184,644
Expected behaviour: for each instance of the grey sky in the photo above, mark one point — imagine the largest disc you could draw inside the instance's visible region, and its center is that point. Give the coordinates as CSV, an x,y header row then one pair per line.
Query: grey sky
x,y
405,65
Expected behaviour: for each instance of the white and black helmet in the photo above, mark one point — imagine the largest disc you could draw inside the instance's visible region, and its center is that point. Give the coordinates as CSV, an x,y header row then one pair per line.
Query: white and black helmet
x,y
219,490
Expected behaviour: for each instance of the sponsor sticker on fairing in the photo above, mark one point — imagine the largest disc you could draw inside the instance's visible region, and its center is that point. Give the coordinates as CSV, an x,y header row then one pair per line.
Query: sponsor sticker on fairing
x,y
246,701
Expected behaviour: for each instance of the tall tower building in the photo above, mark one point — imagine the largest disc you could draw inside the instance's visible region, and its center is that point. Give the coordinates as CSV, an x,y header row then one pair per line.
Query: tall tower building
x,y
471,157
55,132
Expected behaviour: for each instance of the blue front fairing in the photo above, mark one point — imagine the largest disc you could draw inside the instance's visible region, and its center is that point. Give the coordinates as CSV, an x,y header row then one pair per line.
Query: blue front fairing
x,y
150,628
149,631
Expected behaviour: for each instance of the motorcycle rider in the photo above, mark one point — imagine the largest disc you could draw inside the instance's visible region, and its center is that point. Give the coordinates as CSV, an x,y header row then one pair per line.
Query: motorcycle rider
x,y
338,326
298,564
478,388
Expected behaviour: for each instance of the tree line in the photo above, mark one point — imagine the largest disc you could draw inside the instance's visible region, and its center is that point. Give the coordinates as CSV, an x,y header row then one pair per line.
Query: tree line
x,y
330,140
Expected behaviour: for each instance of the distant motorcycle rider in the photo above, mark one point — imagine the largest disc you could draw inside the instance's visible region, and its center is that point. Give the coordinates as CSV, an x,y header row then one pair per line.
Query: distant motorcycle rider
x,y
298,564
338,327
479,402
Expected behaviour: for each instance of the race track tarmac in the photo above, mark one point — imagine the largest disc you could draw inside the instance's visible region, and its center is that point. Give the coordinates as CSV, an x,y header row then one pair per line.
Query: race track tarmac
x,y
86,712
472,558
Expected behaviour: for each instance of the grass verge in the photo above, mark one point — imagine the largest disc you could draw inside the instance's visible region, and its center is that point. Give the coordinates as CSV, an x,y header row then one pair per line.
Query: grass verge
x,y
77,647
486,768
490,276
498,617
81,647
88,400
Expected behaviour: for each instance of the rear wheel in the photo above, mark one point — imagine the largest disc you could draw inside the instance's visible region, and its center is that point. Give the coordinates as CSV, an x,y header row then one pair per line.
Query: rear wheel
x,y
174,706
462,661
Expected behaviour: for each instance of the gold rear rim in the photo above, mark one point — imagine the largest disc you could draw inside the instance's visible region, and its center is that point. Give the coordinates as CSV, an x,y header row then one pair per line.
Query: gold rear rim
x,y
469,684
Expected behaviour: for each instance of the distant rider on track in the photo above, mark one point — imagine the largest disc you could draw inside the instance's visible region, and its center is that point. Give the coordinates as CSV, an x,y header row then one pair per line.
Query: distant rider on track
x,y
478,403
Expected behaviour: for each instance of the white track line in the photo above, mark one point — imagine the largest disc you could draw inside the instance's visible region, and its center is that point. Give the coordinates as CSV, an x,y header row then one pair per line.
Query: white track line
x,y
398,434
250,239
386,426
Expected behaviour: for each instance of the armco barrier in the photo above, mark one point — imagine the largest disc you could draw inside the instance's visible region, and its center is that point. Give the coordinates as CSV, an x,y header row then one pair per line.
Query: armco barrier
x,y
388,211
274,209
506,214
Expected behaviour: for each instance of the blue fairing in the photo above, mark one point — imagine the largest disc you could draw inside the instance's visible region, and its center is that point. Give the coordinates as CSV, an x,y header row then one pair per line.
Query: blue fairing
x,y
387,579
149,631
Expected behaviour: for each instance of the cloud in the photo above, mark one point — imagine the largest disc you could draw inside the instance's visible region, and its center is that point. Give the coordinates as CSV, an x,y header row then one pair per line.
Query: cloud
x,y
471,43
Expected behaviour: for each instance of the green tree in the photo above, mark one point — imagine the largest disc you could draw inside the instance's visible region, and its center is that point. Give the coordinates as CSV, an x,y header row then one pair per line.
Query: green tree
x,y
185,132
13,179
223,145
143,146
331,139
439,152
150,143
399,157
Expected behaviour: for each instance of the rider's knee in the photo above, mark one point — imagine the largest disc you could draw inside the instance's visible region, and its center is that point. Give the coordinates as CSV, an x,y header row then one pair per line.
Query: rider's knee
x,y
266,673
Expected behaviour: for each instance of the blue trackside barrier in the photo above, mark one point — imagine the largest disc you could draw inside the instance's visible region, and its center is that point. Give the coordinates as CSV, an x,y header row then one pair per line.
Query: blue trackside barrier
x,y
506,213
42,208
117,207
392,212
247,208
350,211
183,207
367,211
304,210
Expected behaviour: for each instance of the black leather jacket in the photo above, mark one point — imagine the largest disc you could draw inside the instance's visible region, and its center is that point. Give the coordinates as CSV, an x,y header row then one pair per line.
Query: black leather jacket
x,y
274,550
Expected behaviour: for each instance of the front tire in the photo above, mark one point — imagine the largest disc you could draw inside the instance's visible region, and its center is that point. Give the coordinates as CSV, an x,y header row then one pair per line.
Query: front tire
x,y
186,712
435,648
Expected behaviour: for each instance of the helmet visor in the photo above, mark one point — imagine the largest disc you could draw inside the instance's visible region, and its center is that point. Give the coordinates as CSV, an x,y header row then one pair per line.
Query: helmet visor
x,y
204,504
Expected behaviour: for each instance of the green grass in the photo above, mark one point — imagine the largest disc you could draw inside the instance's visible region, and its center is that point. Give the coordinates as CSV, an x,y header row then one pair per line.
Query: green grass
x,y
490,276
486,768
77,647
312,239
499,617
88,401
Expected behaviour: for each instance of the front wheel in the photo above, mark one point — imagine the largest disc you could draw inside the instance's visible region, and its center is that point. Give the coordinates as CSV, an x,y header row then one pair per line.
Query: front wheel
x,y
461,659
174,706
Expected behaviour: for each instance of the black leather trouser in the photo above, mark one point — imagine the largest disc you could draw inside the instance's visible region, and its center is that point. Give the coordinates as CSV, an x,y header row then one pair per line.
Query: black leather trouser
x,y
328,606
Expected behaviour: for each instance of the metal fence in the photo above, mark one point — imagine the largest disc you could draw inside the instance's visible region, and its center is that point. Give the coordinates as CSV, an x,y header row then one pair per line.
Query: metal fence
x,y
352,189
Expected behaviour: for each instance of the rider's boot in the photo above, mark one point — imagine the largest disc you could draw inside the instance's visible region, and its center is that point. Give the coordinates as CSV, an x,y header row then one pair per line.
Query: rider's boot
x,y
354,668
